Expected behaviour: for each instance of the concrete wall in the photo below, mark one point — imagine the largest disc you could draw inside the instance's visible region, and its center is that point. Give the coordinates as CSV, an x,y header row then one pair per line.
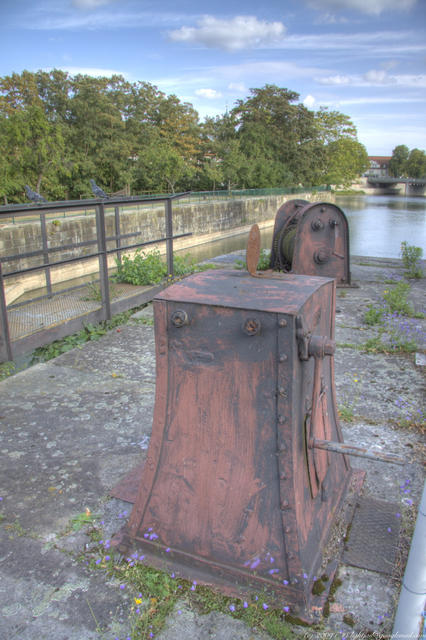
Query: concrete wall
x,y
207,221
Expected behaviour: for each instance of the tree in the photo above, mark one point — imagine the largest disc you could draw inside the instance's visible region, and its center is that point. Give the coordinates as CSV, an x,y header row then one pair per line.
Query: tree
x,y
160,168
416,164
347,159
34,143
398,162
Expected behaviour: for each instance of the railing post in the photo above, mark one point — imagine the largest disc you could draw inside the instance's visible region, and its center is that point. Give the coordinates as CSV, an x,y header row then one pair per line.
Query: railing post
x,y
5,344
117,231
169,238
45,254
103,260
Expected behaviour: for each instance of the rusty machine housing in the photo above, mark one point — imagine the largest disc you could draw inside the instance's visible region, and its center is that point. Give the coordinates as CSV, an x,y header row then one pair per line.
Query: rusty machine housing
x,y
234,492
311,239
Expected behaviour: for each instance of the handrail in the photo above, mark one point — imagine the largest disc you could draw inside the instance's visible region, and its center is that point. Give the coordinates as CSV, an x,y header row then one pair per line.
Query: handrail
x,y
8,347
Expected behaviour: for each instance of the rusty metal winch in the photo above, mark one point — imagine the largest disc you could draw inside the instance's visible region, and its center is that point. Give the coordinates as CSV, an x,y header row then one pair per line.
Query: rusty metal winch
x,y
246,469
234,492
311,239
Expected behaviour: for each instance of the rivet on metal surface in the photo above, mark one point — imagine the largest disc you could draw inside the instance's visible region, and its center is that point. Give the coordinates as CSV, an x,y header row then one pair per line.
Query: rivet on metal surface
x,y
281,419
251,326
180,318
317,225
284,504
281,391
290,555
321,256
287,529
283,476
282,323
283,357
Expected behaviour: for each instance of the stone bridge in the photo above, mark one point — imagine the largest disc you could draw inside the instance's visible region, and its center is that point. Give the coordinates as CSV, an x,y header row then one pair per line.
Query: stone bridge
x,y
411,186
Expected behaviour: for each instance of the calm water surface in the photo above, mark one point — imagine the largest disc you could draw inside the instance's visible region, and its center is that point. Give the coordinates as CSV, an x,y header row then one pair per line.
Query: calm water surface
x,y
377,226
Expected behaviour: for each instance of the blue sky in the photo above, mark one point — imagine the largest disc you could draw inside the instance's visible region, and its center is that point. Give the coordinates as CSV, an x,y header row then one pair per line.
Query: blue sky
x,y
365,58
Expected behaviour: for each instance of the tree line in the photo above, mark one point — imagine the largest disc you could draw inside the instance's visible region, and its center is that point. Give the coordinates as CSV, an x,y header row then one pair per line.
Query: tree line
x,y
57,131
407,164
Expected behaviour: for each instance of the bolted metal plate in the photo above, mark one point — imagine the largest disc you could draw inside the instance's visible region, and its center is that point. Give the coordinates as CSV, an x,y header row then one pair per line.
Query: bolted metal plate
x,y
373,536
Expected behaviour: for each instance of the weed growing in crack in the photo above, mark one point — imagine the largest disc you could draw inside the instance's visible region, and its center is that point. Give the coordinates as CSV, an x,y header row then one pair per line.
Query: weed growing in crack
x,y
154,594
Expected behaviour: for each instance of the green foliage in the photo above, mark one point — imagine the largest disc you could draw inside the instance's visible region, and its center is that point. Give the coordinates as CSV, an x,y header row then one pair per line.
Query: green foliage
x,y
411,257
149,268
397,344
346,159
159,594
143,269
262,265
396,299
416,164
373,315
346,412
398,162
82,519
90,332
7,369
406,163
93,291
57,131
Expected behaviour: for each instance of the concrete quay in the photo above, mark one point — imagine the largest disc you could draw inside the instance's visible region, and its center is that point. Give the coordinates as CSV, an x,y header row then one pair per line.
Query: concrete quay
x,y
71,428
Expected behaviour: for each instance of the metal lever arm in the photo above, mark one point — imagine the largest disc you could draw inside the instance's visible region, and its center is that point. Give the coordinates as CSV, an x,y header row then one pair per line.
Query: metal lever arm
x,y
352,450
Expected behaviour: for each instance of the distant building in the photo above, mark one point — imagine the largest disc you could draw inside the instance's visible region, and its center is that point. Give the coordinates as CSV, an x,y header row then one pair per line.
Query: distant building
x,y
379,166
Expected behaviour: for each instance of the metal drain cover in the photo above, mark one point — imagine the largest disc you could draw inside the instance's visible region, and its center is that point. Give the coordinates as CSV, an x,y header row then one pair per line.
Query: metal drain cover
x,y
373,536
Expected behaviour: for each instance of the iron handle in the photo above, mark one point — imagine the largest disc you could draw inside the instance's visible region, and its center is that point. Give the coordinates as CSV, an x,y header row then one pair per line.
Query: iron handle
x,y
352,450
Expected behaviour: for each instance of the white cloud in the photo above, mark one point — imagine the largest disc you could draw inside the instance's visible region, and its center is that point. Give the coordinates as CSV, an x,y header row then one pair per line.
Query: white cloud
x,y
390,43
335,80
370,7
241,32
105,18
378,77
91,71
210,94
238,86
375,78
90,4
309,102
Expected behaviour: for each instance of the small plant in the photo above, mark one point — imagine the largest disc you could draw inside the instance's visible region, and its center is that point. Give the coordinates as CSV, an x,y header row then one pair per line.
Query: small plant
x,y
82,519
262,265
143,269
94,291
346,412
90,332
7,369
411,257
373,315
149,268
396,299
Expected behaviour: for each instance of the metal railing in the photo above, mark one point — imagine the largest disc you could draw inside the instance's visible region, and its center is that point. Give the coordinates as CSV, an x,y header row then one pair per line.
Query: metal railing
x,y
149,201
62,322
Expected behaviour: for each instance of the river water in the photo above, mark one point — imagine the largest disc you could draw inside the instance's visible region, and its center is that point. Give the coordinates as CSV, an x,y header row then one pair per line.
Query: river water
x,y
377,226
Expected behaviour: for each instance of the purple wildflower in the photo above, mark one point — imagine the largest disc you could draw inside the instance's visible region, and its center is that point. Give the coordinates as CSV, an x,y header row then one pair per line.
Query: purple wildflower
x,y
255,564
232,607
